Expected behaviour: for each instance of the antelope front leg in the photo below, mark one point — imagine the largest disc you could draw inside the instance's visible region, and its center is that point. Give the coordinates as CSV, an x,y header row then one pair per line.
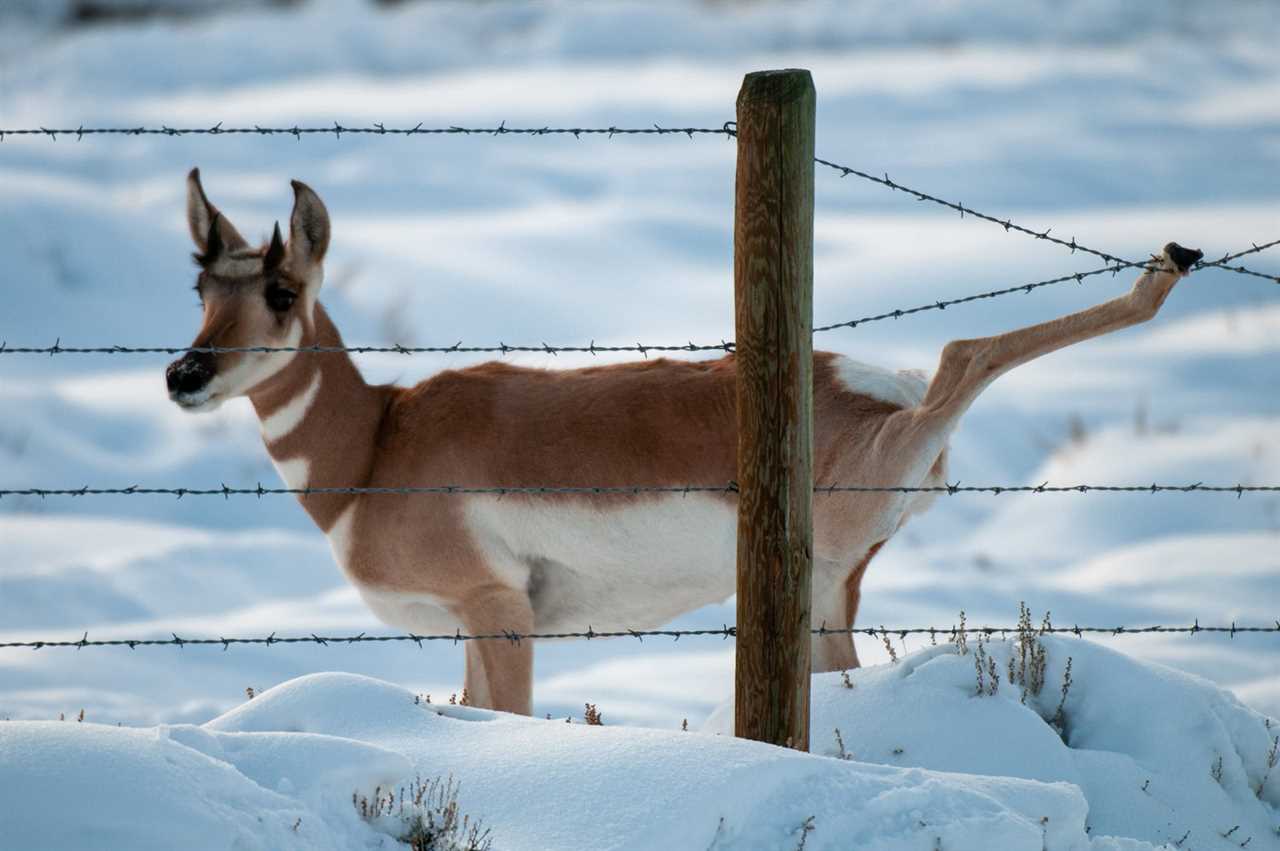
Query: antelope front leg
x,y
499,672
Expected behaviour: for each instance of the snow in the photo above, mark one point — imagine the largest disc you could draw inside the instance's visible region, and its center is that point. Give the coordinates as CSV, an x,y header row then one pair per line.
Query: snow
x,y
1124,125
924,761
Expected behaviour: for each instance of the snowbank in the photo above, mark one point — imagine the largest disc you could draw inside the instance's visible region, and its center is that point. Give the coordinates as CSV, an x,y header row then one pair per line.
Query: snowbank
x,y
1161,756
1140,755
279,772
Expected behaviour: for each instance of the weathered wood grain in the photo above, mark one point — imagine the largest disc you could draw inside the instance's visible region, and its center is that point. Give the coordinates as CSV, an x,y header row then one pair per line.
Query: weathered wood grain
x,y
773,283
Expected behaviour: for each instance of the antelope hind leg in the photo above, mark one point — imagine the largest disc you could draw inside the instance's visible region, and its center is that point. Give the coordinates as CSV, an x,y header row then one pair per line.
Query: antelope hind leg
x,y
967,367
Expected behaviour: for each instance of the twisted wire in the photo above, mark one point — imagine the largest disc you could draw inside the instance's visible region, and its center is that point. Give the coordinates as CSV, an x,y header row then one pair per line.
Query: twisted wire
x,y
724,632
260,491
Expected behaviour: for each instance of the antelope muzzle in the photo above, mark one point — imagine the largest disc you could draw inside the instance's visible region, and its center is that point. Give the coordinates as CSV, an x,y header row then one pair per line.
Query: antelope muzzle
x,y
188,378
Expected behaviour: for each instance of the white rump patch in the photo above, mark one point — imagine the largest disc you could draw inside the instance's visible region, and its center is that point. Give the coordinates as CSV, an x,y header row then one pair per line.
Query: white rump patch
x,y
904,387
292,413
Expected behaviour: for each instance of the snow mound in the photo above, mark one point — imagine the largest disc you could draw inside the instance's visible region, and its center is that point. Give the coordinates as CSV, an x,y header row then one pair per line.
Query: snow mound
x,y
279,772
1159,755
176,787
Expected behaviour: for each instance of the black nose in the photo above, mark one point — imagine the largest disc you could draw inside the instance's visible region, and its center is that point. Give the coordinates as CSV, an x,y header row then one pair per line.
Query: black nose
x,y
190,373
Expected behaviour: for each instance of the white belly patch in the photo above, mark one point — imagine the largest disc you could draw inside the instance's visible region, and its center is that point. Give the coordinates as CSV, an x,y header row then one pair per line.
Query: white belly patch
x,y
610,566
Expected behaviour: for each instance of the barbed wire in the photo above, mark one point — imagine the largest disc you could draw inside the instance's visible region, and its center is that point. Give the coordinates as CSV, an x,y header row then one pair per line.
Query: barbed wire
x,y
376,129
457,348
724,632
592,348
1009,225
728,129
260,491
1078,277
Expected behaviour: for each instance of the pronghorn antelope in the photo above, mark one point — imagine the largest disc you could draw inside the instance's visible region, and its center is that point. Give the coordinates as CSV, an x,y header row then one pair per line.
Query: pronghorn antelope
x,y
433,563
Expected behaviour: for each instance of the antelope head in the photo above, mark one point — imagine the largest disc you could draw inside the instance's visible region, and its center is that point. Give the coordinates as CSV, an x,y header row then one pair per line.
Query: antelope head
x,y
250,297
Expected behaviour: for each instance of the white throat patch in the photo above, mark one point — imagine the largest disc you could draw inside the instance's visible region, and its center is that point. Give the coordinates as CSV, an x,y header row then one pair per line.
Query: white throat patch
x,y
291,415
294,471
256,367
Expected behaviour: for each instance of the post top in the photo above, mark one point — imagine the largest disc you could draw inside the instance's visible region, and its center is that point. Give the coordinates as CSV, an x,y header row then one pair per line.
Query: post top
x,y
778,86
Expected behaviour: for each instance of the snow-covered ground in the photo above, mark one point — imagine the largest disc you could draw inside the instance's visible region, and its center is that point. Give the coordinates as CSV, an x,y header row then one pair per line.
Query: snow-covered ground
x,y
1134,756
1125,125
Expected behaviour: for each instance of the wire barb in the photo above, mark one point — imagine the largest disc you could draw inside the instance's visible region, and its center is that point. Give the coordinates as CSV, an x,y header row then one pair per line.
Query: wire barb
x,y
724,632
259,491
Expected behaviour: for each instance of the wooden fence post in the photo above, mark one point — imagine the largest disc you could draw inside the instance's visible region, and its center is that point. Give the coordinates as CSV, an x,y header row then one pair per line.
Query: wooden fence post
x,y
773,288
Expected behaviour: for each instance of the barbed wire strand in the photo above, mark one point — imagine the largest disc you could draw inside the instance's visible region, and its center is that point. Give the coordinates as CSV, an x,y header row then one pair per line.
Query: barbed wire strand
x,y
639,348
457,348
376,129
1010,226
1116,264
1078,277
259,491
724,632
728,129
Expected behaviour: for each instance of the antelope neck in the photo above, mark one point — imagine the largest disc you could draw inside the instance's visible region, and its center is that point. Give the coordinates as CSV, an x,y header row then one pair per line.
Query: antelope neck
x,y
319,422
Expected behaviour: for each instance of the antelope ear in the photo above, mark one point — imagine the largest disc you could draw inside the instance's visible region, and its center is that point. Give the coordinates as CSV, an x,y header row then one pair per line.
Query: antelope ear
x,y
203,218
308,226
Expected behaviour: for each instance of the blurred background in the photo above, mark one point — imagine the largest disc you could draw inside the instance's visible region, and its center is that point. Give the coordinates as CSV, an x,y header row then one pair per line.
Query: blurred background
x,y
1123,124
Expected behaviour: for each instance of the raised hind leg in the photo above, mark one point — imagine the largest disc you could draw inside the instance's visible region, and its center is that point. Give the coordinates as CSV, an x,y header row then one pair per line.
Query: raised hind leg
x,y
914,438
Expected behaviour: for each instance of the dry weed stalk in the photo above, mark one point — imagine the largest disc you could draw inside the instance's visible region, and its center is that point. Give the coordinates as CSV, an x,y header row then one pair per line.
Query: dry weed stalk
x,y
843,754
888,645
1031,657
985,666
1059,720
960,637
429,815
1273,756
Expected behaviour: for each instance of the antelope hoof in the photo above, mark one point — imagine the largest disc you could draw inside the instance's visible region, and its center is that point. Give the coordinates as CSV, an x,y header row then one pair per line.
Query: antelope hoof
x,y
1183,258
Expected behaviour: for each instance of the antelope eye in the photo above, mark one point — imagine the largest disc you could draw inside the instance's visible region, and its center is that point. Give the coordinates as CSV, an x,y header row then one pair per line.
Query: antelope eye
x,y
280,299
